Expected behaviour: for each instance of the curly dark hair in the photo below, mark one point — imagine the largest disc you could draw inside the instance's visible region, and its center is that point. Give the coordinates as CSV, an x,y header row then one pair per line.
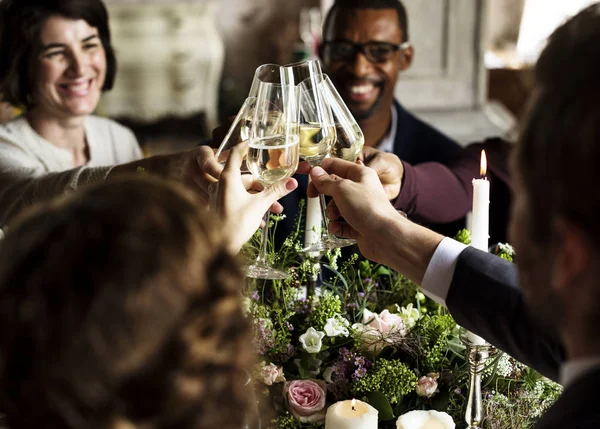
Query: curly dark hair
x,y
120,308
20,25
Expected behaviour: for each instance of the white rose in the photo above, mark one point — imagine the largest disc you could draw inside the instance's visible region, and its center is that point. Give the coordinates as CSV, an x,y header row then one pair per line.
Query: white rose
x,y
312,340
271,373
337,326
420,419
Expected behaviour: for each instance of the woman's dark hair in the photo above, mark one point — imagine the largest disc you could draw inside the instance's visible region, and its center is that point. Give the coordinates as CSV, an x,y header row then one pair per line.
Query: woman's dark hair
x,y
120,307
20,25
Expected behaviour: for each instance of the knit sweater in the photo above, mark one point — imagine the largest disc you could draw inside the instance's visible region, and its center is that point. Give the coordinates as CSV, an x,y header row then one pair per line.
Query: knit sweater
x,y
33,169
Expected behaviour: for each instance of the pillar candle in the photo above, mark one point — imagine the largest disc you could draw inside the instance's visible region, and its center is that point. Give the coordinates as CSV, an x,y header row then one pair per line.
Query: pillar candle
x,y
351,414
480,221
312,232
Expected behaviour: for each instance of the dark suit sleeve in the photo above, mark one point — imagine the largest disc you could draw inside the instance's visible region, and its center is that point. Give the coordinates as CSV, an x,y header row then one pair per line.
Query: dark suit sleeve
x,y
484,297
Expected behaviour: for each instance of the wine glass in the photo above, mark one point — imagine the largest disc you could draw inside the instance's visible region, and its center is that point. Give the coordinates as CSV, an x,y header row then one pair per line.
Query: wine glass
x,y
349,139
273,154
239,129
321,110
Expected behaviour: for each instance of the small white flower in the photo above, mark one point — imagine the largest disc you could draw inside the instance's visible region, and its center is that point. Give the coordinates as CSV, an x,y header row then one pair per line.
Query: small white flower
x,y
312,340
420,297
327,373
336,327
409,316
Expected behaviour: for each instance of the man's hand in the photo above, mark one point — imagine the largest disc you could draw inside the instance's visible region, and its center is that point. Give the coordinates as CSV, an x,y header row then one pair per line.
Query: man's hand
x,y
389,168
383,235
242,202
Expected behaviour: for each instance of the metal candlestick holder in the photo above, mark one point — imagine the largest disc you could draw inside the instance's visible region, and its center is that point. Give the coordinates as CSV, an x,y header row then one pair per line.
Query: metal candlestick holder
x,y
477,355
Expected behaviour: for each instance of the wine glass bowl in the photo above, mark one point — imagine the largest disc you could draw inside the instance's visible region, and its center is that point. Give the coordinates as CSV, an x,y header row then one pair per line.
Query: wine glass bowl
x,y
349,139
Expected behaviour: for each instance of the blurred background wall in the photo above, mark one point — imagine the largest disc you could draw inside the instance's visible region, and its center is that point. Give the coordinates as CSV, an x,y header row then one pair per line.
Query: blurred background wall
x,y
186,65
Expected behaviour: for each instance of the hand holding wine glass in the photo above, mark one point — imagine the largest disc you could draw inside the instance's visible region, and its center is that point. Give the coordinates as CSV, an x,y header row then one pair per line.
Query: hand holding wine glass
x,y
242,203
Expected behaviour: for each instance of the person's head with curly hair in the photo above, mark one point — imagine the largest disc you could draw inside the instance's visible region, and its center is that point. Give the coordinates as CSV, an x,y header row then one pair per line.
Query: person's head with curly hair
x,y
120,308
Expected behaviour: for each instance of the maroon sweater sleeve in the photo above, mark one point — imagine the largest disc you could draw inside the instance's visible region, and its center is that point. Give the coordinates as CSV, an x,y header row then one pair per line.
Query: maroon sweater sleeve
x,y
437,193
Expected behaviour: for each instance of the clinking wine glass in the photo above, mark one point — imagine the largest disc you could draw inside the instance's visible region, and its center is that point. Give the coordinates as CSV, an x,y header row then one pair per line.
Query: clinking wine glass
x,y
239,130
349,139
318,133
270,129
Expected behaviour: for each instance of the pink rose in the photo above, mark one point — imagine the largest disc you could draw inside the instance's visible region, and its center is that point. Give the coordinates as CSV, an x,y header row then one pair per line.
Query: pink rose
x,y
271,373
306,399
380,330
427,385
385,322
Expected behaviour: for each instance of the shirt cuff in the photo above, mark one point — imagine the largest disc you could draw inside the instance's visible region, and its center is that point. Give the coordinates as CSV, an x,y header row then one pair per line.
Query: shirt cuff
x,y
438,276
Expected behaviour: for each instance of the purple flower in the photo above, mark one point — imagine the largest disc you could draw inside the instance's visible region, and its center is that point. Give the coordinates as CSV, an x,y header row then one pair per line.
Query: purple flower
x,y
254,295
263,337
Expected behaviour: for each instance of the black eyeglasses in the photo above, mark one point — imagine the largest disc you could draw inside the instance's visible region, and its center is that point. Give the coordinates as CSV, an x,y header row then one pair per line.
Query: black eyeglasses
x,y
375,52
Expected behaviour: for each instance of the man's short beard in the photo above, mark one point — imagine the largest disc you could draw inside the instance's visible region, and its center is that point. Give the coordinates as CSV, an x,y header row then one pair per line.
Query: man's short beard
x,y
363,115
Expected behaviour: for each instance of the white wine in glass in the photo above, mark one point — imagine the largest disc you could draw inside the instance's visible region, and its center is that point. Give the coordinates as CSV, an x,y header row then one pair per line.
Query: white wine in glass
x,y
349,142
274,158
315,142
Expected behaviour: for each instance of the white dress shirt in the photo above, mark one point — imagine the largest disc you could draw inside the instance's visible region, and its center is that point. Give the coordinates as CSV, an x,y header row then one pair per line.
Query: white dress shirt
x,y
387,144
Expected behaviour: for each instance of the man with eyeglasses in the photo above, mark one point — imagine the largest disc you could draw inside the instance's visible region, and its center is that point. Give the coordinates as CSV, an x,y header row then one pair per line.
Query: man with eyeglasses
x,y
365,47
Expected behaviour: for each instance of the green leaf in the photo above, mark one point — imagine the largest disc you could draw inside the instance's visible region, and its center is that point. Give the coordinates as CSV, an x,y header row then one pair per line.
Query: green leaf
x,y
383,271
381,403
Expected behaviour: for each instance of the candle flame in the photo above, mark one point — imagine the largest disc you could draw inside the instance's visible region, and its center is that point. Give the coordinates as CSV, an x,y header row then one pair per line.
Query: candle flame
x,y
353,405
483,167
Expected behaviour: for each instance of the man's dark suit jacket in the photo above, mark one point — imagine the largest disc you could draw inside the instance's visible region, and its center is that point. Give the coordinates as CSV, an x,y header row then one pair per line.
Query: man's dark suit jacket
x,y
484,297
416,142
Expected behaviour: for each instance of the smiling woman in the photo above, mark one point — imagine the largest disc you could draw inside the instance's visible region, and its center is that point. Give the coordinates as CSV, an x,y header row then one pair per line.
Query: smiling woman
x,y
57,59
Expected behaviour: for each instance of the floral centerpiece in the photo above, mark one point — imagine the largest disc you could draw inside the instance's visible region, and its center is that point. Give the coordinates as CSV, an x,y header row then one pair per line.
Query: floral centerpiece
x,y
368,333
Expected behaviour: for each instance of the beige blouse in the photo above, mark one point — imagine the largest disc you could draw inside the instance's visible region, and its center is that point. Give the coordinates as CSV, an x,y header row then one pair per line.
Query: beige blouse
x,y
32,169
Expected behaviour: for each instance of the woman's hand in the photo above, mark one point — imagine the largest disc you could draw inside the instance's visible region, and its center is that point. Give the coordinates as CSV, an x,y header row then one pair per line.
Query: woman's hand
x,y
241,202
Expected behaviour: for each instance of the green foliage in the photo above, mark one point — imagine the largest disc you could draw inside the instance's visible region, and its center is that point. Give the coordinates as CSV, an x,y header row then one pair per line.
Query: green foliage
x,y
463,236
329,306
390,377
514,395
433,333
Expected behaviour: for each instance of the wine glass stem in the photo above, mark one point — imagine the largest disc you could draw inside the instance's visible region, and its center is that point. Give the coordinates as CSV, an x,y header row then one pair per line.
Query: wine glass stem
x,y
325,222
262,255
